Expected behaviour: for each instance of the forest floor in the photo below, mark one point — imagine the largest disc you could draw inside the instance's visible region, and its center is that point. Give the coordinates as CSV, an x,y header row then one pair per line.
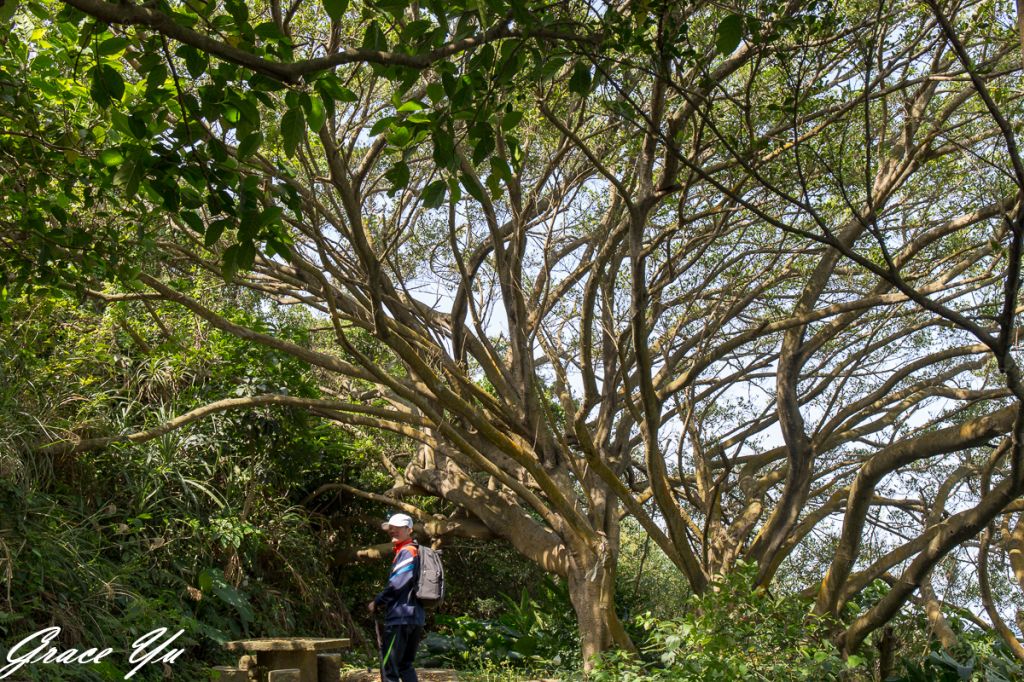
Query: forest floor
x,y
424,675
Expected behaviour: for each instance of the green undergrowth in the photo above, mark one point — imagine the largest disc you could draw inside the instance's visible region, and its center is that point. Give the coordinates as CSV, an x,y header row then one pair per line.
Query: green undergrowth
x,y
737,632
201,529
535,632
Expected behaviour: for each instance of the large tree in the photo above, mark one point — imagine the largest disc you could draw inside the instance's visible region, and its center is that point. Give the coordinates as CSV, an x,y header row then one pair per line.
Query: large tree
x,y
746,276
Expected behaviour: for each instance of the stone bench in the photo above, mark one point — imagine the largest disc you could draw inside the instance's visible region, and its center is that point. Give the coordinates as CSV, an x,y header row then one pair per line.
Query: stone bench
x,y
227,673
279,656
328,667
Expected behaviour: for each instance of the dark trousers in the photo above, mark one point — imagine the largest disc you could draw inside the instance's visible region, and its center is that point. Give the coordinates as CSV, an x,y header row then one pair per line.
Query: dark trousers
x,y
398,648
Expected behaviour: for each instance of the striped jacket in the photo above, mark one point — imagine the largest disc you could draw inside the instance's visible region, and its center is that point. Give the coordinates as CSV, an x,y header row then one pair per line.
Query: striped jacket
x,y
398,600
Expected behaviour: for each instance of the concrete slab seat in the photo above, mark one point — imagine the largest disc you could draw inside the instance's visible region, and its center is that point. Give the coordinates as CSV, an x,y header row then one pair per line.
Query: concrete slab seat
x,y
227,673
283,655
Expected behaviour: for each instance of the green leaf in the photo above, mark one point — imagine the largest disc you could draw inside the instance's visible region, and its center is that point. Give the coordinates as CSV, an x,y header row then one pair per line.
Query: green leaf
x,y
510,120
399,137
7,10
493,183
515,152
455,189
120,123
268,30
444,148
111,157
196,61
293,126
60,214
250,114
580,80
137,124
500,169
525,645
415,29
335,8
246,255
433,194
249,144
228,268
315,112
411,106
193,220
730,31
374,38
549,67
261,83
128,175
270,216
107,85
237,257
472,187
276,246
331,88
156,78
398,175
112,46
228,594
206,579
483,149
394,7
239,11
435,91
381,125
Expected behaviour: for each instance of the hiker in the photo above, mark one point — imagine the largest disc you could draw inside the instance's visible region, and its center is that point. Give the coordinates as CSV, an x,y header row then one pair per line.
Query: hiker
x,y
403,614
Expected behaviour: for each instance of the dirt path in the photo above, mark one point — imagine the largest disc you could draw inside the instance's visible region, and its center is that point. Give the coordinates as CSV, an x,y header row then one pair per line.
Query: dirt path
x,y
425,675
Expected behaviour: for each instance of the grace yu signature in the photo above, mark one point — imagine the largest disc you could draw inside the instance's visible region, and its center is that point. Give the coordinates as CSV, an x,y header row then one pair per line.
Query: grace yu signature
x,y
144,651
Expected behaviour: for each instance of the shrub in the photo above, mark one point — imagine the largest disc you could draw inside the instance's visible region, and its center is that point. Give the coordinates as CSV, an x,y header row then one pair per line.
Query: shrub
x,y
732,632
534,632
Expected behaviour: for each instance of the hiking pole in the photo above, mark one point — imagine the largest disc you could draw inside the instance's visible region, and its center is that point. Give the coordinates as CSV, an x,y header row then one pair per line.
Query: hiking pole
x,y
380,645
380,639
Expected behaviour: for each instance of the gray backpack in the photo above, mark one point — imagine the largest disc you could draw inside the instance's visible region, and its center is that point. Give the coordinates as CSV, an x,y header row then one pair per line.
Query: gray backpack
x,y
430,585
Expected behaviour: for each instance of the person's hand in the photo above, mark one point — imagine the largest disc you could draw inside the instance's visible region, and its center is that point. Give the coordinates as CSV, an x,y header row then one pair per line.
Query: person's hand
x,y
371,607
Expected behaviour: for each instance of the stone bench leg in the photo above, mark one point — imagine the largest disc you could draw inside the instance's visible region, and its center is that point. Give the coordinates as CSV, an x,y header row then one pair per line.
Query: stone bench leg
x,y
328,667
226,673
285,675
303,661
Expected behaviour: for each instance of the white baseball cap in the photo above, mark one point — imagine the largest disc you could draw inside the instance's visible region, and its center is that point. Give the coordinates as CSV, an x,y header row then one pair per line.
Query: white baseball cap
x,y
398,520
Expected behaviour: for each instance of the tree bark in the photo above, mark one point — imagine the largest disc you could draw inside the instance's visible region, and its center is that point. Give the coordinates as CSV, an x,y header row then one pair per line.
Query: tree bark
x,y
952,532
936,620
950,439
592,592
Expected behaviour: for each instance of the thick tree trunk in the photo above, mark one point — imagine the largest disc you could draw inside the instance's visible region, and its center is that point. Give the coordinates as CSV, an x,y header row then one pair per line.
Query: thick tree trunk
x,y
592,592
590,574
